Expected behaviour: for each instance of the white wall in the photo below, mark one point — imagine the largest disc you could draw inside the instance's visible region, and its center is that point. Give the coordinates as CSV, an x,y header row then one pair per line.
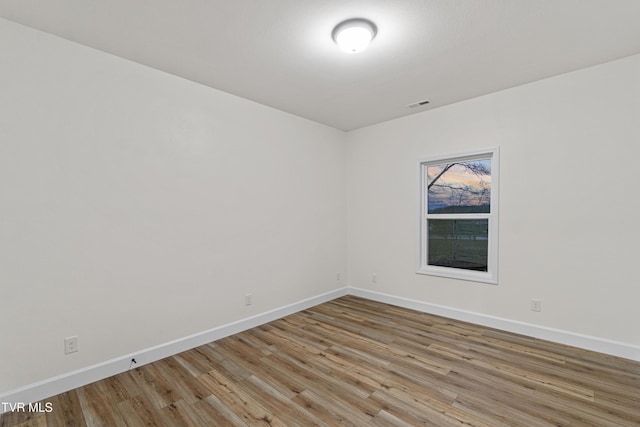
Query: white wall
x,y
569,205
137,208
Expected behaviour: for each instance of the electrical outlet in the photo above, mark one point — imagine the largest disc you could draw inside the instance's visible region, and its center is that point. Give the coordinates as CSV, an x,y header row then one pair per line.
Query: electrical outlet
x,y
338,277
70,345
536,305
374,278
248,299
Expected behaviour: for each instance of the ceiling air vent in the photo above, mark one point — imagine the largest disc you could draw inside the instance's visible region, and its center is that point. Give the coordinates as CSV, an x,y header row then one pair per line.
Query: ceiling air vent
x,y
418,104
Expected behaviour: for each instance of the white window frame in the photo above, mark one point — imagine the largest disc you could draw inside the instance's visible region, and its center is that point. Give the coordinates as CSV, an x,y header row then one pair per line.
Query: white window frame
x,y
491,275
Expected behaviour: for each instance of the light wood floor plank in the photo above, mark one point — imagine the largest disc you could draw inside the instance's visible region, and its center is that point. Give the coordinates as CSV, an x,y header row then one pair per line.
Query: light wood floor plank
x,y
181,414
358,362
217,413
277,403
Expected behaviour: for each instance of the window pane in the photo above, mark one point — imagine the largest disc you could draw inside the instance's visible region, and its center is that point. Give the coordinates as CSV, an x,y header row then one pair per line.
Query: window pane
x,y
458,243
460,187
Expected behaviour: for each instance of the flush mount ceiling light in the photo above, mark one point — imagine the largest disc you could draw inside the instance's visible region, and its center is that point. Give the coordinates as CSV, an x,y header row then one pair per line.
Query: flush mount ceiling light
x,y
354,35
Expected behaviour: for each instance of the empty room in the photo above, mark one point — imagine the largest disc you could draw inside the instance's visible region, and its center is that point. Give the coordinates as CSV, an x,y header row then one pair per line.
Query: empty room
x,y
319,213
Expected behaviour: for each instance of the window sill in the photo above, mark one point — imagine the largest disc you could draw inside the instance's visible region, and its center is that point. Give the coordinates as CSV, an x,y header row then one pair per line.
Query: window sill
x,y
452,273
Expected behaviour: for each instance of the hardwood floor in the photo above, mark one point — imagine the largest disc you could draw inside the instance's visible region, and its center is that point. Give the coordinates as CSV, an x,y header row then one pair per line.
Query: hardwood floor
x,y
357,362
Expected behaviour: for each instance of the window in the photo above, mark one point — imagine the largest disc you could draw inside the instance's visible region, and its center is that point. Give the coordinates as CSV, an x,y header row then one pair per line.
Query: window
x,y
459,216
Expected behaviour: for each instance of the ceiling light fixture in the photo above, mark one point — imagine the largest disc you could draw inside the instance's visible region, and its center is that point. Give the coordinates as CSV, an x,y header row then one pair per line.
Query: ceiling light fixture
x,y
354,35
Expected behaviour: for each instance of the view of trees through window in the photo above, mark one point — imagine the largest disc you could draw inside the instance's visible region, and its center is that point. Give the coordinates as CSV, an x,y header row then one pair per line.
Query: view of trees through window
x,y
463,187
457,196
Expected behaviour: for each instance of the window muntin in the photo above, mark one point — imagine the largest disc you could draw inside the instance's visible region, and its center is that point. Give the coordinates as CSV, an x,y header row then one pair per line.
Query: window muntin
x,y
458,216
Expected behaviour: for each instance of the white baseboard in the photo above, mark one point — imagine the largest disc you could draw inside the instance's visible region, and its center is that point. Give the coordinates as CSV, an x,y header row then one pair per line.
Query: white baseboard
x,y
586,342
56,385
68,381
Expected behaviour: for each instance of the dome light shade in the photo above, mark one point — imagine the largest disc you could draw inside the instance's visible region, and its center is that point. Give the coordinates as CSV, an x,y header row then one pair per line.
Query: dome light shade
x,y
354,35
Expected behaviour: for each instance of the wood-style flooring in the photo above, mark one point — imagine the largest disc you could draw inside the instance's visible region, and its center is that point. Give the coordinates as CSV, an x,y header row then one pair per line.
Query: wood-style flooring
x,y
357,362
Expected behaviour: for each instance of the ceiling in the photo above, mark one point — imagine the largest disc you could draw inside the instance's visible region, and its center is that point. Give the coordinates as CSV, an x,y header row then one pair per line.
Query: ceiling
x,y
280,52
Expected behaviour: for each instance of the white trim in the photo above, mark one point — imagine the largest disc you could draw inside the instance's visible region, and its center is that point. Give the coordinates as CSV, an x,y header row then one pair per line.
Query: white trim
x,y
586,342
490,276
460,156
68,381
65,382
460,274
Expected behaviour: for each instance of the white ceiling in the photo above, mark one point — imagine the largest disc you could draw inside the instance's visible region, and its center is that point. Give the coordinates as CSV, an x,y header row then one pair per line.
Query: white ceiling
x,y
280,53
